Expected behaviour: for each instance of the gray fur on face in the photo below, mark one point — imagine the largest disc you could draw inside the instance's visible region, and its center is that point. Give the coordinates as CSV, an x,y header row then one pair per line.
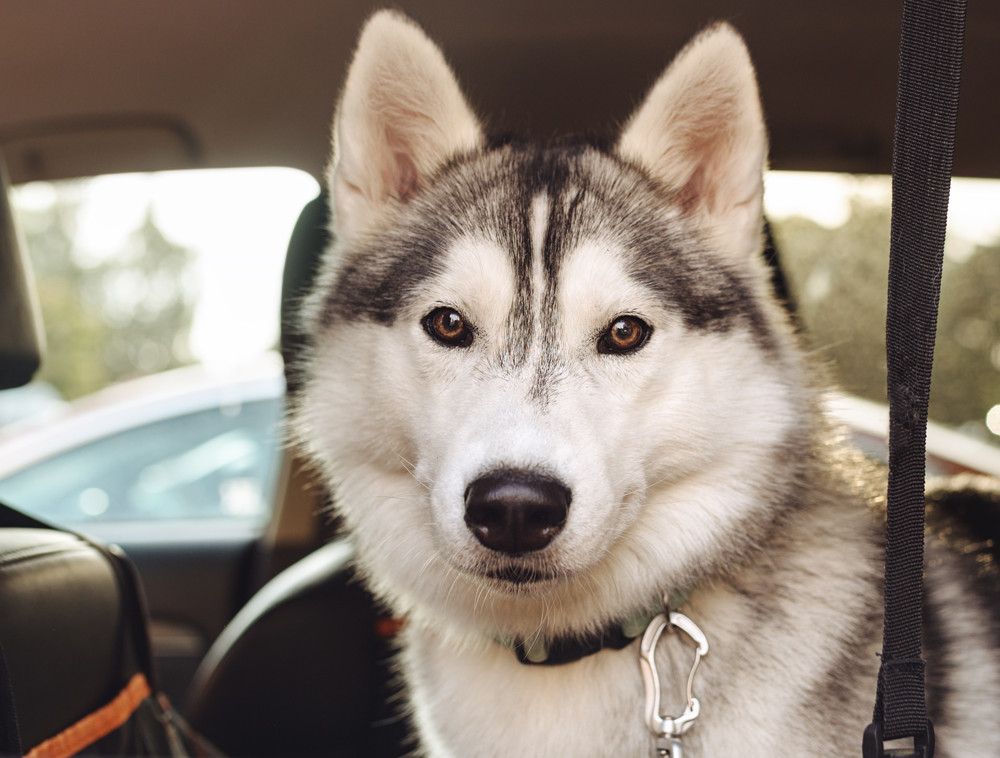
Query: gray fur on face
x,y
591,193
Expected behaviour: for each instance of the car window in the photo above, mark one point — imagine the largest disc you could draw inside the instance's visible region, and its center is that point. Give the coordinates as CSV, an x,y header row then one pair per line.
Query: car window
x,y
141,273
155,288
832,233
217,463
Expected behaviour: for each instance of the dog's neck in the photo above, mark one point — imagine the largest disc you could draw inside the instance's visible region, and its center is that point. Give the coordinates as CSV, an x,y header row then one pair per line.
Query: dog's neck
x,y
827,553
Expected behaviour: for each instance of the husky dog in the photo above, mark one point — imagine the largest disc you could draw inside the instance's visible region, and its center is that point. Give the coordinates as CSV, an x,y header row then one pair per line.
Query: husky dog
x,y
549,385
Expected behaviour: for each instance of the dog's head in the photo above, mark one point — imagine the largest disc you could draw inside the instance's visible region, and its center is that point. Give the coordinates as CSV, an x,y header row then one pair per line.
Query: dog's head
x,y
548,382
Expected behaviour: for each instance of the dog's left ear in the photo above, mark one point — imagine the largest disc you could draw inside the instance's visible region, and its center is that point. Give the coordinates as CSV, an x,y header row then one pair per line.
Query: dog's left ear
x,y
700,133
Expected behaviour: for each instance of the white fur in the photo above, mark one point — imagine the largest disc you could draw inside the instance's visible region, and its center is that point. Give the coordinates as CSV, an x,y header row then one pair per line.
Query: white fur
x,y
618,435
478,701
669,453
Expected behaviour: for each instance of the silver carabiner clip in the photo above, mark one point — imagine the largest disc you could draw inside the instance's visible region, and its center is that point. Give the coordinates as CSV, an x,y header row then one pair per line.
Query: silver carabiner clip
x,y
669,747
668,729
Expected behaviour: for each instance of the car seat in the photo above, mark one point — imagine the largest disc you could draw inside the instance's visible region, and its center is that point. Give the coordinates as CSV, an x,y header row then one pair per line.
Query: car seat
x,y
305,667
75,668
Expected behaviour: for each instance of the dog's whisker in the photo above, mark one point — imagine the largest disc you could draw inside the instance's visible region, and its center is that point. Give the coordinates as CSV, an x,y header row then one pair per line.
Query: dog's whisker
x,y
411,470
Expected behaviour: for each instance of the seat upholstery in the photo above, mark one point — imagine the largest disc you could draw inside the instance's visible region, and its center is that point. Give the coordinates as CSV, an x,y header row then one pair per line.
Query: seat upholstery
x,y
73,634
309,239
20,322
300,670
61,606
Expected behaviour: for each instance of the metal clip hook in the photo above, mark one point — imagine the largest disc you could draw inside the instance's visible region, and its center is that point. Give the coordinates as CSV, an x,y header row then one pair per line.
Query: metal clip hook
x,y
669,747
659,725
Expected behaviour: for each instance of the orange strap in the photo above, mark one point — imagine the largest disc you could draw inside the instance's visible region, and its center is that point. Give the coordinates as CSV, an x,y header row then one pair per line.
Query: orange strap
x,y
96,725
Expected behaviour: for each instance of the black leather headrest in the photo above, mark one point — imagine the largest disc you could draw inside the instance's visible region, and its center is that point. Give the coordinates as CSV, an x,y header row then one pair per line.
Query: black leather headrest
x,y
20,323
72,631
310,239
308,242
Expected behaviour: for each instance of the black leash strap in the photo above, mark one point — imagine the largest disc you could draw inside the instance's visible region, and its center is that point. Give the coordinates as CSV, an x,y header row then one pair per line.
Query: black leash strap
x,y
930,61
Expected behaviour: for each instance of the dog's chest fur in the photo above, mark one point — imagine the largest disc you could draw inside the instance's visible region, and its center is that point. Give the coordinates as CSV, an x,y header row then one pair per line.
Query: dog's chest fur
x,y
791,670
783,640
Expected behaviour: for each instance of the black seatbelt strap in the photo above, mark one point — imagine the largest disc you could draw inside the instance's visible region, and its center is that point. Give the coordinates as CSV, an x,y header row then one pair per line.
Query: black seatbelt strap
x,y
930,62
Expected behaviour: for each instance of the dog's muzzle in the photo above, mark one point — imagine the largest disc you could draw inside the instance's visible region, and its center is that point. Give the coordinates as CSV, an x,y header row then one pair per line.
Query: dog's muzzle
x,y
515,512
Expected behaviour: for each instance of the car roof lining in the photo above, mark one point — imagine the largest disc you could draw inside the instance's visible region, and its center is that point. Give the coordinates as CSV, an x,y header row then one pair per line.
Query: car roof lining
x,y
250,82
88,146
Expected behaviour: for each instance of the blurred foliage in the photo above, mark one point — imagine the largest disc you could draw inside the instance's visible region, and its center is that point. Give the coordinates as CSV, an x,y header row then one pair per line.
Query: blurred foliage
x,y
839,278
128,312
124,314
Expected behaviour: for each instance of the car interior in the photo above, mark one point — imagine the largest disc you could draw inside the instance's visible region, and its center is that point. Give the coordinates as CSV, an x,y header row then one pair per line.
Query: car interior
x,y
265,641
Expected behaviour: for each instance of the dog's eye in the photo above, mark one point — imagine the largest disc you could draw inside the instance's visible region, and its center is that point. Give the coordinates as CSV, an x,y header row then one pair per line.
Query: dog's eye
x,y
446,326
626,334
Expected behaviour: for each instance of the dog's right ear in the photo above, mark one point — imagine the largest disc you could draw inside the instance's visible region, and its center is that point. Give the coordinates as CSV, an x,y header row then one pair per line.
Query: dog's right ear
x,y
401,116
700,133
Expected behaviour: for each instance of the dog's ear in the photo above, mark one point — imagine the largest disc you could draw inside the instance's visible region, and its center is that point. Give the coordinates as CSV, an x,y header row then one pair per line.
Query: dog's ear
x,y
400,117
700,133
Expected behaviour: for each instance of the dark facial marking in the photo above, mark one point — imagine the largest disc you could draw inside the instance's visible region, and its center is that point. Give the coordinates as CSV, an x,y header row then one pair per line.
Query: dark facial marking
x,y
668,254
548,172
520,324
557,176
373,284
590,193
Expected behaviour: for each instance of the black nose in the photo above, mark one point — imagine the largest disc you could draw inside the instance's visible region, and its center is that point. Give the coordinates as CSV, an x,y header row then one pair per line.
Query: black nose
x,y
516,511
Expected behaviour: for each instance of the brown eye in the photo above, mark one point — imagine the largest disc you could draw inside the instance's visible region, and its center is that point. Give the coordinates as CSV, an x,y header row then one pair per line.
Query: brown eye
x,y
446,326
626,334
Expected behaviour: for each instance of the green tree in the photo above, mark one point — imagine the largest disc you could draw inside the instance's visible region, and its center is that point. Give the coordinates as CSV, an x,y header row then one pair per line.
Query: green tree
x,y
126,315
967,363
839,279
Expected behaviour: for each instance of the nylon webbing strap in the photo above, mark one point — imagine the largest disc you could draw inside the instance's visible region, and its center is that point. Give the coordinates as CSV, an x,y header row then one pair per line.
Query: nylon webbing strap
x,y
930,61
